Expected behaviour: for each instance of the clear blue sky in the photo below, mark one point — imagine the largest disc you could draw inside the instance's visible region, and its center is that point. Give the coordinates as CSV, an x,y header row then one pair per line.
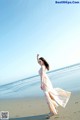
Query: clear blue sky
x,y
28,27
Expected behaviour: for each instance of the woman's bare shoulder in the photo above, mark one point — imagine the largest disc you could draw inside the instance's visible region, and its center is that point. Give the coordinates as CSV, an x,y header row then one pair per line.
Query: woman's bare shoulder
x,y
43,67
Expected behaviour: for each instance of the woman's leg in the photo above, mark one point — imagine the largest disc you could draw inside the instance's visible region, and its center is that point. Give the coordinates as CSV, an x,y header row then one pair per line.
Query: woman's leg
x,y
53,100
51,103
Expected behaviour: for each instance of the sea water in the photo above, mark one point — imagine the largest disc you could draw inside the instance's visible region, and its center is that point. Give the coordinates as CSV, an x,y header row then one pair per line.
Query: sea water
x,y
67,78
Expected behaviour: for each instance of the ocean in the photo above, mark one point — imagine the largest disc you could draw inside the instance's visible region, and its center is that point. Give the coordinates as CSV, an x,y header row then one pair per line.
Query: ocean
x,y
67,78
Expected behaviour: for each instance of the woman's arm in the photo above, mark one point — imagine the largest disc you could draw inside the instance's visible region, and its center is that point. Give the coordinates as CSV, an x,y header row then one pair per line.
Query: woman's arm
x,y
42,73
42,78
37,57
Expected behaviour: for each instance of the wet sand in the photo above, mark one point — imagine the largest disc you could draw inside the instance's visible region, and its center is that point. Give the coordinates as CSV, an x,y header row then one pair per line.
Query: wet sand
x,y
37,108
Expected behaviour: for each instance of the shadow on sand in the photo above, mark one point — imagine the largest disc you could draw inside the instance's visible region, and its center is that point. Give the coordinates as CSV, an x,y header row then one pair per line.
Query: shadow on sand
x,y
38,117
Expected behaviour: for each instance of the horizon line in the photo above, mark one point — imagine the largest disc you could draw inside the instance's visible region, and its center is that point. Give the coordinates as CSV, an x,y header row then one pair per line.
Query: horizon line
x,y
38,75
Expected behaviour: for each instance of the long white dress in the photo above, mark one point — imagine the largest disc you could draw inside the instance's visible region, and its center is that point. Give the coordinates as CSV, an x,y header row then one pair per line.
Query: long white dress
x,y
54,96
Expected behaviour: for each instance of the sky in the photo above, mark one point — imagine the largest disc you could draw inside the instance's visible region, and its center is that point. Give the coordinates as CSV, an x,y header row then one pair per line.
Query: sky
x,y
31,27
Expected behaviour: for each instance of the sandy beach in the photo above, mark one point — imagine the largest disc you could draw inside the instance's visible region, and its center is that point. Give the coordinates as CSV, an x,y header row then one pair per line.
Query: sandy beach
x,y
37,108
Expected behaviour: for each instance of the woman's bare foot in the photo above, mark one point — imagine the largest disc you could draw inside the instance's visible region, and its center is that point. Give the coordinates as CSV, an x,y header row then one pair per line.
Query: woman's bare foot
x,y
49,115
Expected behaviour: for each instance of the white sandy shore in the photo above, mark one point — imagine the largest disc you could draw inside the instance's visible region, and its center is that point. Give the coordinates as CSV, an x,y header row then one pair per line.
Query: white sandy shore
x,y
37,108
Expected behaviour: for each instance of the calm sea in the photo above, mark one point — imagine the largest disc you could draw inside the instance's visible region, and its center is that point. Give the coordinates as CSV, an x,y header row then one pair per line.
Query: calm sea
x,y
67,78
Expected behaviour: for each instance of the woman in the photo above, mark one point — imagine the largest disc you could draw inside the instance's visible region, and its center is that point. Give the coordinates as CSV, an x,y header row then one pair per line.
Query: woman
x,y
54,96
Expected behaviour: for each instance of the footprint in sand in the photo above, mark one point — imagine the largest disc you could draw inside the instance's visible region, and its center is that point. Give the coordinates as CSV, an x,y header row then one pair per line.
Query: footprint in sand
x,y
76,102
74,112
56,117
17,115
77,112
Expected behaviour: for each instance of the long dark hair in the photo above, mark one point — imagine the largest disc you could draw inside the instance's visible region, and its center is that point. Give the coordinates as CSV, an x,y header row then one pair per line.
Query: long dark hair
x,y
45,62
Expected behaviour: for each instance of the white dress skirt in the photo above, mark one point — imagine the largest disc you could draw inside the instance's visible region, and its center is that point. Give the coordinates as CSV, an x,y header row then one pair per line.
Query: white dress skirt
x,y
54,96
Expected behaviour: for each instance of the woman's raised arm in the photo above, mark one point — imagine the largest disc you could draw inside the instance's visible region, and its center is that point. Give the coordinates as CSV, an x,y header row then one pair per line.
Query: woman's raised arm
x,y
37,57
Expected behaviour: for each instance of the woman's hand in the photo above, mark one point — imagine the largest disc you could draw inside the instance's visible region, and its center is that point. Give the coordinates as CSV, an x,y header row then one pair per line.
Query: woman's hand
x,y
42,86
